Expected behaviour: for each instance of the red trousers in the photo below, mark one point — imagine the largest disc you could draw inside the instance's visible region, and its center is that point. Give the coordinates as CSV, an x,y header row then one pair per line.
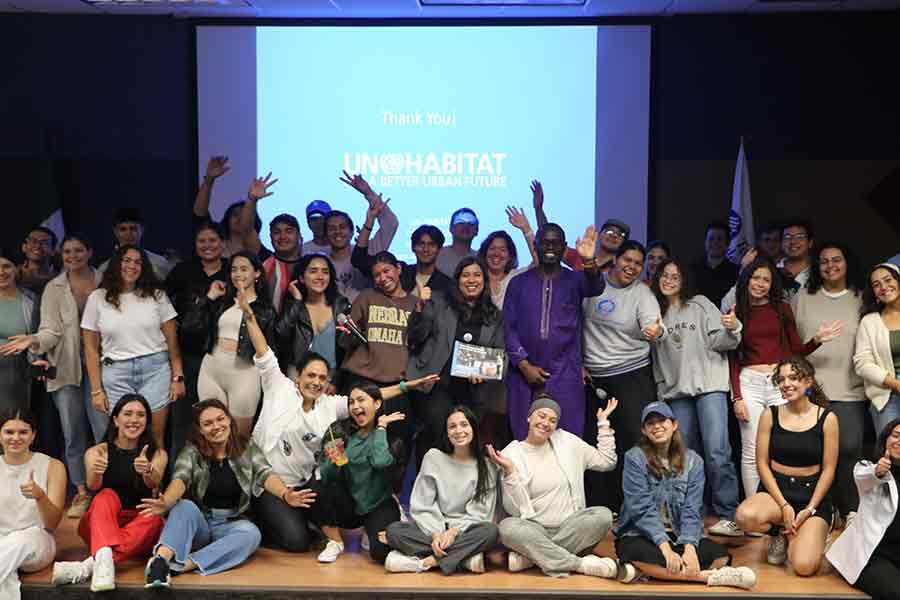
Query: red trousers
x,y
126,531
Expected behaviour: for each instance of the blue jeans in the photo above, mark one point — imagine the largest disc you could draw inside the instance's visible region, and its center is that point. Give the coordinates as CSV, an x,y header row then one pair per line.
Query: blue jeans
x,y
73,403
704,419
150,376
211,541
890,412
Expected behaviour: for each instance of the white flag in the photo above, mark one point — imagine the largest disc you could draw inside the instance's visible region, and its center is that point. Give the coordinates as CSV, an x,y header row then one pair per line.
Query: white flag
x,y
740,219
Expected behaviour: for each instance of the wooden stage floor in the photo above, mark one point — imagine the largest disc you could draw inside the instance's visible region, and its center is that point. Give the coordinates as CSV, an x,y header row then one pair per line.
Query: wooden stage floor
x,y
272,574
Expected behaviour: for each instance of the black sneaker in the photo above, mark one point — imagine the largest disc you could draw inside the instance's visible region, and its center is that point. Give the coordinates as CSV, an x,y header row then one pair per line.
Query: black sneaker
x,y
157,572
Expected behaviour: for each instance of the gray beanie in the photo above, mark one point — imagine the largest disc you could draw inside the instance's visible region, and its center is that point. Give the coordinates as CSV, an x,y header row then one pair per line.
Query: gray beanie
x,y
544,400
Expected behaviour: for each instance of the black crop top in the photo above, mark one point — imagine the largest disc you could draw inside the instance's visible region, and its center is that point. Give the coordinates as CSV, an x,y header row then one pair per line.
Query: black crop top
x,y
798,448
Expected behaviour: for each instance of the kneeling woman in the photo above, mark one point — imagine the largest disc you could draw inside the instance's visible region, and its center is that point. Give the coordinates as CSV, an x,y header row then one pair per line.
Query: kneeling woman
x,y
796,454
357,471
452,505
543,491
218,472
868,552
660,532
126,467
32,494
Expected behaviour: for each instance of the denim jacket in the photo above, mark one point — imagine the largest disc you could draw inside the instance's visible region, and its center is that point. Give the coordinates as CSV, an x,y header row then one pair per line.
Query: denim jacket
x,y
644,494
251,470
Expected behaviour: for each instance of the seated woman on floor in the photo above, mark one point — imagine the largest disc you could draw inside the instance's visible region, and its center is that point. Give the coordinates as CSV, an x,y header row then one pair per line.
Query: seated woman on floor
x,y
660,531
215,476
295,415
796,454
32,494
126,467
357,469
452,504
543,492
868,552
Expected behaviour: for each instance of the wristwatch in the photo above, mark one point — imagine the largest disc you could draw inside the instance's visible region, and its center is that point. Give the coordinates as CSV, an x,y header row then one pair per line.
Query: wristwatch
x,y
177,378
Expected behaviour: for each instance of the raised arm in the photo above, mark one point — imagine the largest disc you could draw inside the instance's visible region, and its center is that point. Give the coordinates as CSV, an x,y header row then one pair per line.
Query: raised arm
x,y
519,220
259,189
215,168
537,201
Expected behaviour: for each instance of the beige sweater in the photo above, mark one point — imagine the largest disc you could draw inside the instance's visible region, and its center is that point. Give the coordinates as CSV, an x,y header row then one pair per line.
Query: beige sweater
x,y
872,360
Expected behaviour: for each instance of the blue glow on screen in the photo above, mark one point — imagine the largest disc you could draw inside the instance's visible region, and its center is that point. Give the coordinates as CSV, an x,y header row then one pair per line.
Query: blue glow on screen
x,y
435,118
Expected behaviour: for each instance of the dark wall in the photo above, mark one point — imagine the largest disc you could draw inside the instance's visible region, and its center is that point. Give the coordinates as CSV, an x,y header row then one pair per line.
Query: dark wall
x,y
818,99
103,106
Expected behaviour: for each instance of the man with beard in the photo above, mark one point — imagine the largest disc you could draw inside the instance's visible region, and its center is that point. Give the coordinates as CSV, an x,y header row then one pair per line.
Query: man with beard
x,y
463,228
427,241
339,231
542,322
715,274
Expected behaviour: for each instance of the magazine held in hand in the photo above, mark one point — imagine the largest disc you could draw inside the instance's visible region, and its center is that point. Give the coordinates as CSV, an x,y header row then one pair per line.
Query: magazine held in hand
x,y
480,361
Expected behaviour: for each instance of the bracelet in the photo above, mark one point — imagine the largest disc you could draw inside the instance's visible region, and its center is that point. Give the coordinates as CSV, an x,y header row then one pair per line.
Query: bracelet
x,y
403,387
367,226
97,392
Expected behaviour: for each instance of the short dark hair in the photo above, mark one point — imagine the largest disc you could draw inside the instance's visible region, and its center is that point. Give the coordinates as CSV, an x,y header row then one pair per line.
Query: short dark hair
x,y
549,227
431,231
659,244
310,357
718,225
631,245
226,219
78,237
804,223
337,213
385,257
285,219
209,225
769,227
53,237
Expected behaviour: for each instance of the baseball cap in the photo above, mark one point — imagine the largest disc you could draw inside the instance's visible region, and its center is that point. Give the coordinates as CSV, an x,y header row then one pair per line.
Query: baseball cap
x,y
660,408
464,215
317,208
620,225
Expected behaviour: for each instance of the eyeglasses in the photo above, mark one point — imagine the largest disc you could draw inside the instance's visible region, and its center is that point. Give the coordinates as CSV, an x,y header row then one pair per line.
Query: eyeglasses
x,y
45,242
614,233
796,236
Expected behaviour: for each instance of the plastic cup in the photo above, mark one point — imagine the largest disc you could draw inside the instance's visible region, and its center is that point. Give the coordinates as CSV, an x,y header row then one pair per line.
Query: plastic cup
x,y
337,444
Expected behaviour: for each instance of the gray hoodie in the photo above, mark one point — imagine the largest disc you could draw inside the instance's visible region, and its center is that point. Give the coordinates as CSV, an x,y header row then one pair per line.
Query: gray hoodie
x,y
690,360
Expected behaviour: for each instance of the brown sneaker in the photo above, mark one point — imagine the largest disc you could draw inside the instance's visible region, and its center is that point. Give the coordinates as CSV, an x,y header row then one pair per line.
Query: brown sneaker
x,y
79,506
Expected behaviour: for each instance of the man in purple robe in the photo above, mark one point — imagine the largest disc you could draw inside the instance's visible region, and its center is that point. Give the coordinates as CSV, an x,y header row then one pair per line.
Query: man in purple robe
x,y
542,321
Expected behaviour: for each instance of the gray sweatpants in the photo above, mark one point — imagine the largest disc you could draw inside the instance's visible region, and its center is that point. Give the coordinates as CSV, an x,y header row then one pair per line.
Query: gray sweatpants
x,y
408,539
556,550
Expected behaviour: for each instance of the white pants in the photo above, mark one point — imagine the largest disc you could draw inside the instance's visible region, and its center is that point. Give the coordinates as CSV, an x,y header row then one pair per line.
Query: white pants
x,y
30,550
759,393
231,379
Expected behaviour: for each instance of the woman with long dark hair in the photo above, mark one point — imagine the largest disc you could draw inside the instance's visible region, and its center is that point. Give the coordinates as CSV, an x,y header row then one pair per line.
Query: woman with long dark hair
x,y
768,337
834,293
877,357
660,531
796,454
124,468
216,475
690,367
32,494
131,321
227,372
452,505
311,309
465,314
867,554
498,253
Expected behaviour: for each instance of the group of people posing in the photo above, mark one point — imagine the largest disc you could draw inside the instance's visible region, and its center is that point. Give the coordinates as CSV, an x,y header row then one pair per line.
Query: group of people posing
x,y
249,397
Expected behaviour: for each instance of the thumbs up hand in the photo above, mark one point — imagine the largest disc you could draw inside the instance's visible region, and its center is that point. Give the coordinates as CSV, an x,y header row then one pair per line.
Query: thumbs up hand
x,y
424,294
30,489
100,462
884,463
142,463
730,320
654,332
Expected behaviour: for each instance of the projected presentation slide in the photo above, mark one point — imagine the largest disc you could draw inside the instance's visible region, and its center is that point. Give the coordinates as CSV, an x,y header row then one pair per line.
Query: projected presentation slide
x,y
434,118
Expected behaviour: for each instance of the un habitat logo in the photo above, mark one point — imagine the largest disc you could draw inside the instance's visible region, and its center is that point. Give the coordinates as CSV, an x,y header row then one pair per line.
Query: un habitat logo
x,y
431,169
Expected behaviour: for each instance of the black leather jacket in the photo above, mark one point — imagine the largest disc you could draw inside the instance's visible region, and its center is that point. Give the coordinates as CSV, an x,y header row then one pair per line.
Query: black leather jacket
x,y
294,331
202,319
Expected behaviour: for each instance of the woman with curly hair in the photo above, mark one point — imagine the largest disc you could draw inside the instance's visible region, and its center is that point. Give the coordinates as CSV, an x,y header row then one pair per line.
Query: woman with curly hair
x,y
130,319
796,454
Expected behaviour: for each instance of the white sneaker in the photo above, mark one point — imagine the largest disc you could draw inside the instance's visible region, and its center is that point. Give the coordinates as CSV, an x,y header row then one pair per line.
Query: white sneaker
x,y
331,552
741,577
104,576
401,563
776,553
519,562
597,566
474,563
628,573
65,572
364,541
726,528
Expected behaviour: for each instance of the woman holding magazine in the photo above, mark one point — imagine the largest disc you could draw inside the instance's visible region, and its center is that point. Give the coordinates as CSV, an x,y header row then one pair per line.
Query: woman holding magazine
x,y
466,314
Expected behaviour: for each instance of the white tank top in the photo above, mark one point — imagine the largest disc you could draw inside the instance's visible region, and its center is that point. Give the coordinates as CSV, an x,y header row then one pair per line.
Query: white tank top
x,y
230,323
18,511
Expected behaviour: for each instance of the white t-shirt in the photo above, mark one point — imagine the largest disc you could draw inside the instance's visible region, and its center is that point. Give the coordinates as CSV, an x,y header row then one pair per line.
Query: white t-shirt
x,y
133,329
290,437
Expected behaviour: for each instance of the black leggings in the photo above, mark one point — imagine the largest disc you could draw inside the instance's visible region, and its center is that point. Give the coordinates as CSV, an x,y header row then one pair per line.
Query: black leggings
x,y
375,521
286,527
879,579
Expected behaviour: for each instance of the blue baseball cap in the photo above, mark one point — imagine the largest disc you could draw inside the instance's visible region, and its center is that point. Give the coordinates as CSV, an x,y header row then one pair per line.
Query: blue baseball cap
x,y
317,208
660,408
464,215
